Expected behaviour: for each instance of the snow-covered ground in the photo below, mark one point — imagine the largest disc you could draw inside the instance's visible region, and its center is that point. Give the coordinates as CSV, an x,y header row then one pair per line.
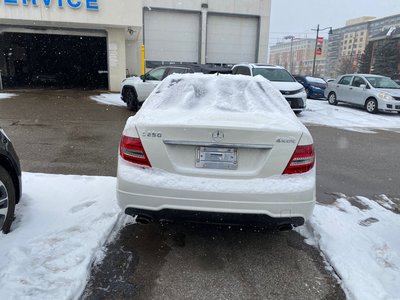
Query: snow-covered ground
x,y
6,95
109,99
342,116
62,223
360,239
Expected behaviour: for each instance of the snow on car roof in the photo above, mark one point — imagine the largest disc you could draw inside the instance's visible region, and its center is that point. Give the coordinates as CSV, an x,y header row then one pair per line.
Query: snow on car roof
x,y
221,93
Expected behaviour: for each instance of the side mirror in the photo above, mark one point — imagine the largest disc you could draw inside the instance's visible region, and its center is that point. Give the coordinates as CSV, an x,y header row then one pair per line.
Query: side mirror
x,y
143,77
363,86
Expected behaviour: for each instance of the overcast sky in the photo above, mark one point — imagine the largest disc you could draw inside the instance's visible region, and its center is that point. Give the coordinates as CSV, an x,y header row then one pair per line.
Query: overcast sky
x,y
295,17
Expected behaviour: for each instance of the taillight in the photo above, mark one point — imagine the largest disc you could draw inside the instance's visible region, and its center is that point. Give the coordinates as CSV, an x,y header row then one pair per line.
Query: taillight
x,y
131,149
302,161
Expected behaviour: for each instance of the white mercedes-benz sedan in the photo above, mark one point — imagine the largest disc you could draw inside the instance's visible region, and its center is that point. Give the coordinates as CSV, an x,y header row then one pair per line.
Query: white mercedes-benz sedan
x,y
217,149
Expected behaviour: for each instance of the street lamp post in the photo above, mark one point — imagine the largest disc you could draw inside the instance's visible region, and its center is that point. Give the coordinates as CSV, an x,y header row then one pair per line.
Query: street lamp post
x,y
316,44
291,38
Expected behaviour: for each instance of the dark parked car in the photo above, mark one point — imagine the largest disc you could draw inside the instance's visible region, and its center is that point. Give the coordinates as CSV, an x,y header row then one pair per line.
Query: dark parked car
x,y
315,87
10,182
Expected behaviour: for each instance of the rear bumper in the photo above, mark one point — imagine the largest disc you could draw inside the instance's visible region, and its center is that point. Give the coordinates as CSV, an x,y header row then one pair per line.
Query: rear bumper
x,y
154,192
214,218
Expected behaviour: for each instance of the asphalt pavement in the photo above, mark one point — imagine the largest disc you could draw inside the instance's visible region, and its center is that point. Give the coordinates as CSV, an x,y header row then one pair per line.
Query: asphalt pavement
x,y
65,132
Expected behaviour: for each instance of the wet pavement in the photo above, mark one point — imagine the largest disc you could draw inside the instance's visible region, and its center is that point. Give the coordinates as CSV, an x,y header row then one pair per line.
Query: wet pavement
x,y
63,131
66,132
210,262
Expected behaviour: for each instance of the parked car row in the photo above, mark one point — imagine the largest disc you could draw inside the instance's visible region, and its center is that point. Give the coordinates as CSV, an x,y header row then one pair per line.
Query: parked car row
x,y
135,90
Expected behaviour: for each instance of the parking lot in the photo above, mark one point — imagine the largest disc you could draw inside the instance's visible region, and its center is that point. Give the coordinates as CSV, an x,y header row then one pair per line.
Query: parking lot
x,y
65,132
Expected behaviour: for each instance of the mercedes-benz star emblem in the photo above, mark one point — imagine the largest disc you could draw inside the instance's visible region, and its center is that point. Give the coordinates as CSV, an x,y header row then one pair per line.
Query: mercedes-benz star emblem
x,y
218,136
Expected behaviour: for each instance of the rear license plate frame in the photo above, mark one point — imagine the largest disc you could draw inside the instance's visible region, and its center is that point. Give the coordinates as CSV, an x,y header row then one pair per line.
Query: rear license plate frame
x,y
218,158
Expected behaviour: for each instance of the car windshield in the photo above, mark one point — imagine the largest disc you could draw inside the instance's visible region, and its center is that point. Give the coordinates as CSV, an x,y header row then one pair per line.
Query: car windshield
x,y
315,80
382,83
274,74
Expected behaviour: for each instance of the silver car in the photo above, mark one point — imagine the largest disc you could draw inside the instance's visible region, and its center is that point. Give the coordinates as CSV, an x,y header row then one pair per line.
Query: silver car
x,y
373,92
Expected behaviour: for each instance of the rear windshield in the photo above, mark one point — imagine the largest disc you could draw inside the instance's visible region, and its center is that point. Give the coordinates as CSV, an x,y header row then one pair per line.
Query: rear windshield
x,y
218,93
382,83
271,74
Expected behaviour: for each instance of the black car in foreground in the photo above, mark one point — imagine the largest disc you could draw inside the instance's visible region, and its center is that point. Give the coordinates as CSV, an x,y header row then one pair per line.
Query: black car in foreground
x,y
10,182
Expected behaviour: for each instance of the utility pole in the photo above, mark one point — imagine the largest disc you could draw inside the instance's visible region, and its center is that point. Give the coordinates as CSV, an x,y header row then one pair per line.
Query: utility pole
x,y
316,44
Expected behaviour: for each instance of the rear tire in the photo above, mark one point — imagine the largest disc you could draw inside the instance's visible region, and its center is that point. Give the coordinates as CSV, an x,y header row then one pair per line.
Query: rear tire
x,y
131,100
7,200
371,106
332,100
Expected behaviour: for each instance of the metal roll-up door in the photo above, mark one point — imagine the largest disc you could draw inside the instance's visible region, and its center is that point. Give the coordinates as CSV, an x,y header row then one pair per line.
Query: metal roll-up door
x,y
232,39
172,36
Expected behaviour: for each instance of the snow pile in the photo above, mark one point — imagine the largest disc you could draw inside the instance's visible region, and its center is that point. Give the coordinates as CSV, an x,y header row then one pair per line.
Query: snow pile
x,y
6,95
347,117
109,99
361,241
61,224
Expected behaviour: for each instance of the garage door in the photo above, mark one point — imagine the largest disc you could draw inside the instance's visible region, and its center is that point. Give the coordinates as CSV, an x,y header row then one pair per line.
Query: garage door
x,y
54,60
172,36
231,39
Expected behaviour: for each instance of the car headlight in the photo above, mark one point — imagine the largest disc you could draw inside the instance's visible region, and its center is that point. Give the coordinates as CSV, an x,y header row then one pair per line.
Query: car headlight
x,y
302,90
385,96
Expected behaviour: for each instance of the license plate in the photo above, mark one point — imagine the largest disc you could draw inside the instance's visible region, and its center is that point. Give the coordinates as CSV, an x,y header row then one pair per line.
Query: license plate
x,y
216,158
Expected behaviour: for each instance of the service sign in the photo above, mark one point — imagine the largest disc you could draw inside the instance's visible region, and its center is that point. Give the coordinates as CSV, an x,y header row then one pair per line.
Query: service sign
x,y
74,4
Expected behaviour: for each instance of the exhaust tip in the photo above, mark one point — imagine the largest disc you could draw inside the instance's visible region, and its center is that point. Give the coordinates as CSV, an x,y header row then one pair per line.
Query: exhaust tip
x,y
143,220
285,227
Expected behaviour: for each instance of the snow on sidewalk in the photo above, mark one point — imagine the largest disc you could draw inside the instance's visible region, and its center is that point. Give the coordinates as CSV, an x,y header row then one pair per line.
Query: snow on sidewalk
x,y
109,99
6,95
360,239
346,117
61,224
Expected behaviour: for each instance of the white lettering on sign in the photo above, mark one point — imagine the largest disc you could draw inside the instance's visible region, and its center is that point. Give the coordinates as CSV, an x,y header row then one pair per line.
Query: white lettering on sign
x,y
76,4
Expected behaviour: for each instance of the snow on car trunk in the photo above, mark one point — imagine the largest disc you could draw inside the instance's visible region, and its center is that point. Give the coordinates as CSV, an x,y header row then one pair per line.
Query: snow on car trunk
x,y
61,223
246,116
360,240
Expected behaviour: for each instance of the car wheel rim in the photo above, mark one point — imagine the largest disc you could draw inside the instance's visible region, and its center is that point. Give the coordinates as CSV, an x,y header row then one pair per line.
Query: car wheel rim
x,y
332,98
371,106
3,203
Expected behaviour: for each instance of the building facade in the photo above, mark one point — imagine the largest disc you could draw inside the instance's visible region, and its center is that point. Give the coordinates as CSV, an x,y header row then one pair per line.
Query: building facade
x,y
347,44
97,43
297,56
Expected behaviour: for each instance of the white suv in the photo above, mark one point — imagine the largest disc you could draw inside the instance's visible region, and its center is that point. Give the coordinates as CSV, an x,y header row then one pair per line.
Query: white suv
x,y
280,78
134,90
